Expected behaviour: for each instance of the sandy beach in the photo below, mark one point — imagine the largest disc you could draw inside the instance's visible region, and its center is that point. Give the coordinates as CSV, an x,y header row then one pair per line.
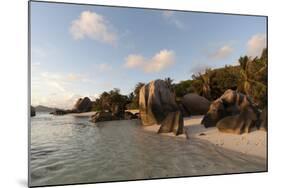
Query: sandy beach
x,y
254,143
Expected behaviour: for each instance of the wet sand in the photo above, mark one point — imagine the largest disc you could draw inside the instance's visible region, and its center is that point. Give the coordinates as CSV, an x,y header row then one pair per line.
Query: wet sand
x,y
253,143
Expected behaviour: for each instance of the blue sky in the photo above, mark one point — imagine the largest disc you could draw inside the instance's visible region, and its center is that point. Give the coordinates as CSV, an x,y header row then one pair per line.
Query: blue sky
x,y
79,50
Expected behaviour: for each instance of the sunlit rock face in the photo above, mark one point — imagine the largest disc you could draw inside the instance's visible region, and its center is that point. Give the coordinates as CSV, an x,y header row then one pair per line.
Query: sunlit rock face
x,y
158,106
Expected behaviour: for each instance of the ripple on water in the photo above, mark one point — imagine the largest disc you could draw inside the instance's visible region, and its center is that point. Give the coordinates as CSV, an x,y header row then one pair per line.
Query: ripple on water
x,y
66,149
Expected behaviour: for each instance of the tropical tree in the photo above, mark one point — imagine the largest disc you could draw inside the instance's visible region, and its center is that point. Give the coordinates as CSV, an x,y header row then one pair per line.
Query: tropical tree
x,y
137,88
245,73
202,83
183,87
134,96
253,73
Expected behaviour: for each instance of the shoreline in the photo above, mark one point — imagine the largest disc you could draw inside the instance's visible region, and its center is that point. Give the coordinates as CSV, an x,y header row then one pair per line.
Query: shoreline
x,y
83,114
254,143
89,114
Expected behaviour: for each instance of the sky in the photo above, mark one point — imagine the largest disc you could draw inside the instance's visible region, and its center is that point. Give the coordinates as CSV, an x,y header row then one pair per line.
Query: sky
x,y
83,50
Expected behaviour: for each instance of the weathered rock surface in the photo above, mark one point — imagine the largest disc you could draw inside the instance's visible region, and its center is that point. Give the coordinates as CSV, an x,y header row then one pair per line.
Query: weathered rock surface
x,y
83,105
32,111
240,123
172,123
193,104
158,106
129,116
103,116
229,104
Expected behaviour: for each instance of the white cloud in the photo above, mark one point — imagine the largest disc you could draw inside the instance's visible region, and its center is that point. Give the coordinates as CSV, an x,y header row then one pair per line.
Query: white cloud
x,y
157,63
133,61
222,52
170,17
256,44
93,26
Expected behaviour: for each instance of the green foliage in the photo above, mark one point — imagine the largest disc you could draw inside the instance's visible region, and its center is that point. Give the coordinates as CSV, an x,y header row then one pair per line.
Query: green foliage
x,y
183,88
108,100
253,80
249,77
202,83
223,79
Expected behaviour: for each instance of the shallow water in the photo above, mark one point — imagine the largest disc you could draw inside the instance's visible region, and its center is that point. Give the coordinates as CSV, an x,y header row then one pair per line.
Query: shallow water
x,y
67,150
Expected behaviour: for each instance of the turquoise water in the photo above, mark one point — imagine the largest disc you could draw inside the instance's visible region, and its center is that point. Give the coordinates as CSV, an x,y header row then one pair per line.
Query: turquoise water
x,y
67,150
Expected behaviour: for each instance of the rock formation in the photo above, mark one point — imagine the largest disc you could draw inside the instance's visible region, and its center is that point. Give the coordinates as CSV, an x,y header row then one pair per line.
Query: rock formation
x,y
32,111
230,103
193,104
158,106
83,105
240,123
103,116
130,115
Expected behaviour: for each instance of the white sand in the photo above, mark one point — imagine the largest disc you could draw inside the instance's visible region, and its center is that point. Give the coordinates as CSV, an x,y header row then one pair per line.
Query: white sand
x,y
253,143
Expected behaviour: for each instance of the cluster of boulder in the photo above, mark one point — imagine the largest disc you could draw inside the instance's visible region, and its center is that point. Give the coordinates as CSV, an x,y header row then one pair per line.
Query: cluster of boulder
x,y
110,116
235,112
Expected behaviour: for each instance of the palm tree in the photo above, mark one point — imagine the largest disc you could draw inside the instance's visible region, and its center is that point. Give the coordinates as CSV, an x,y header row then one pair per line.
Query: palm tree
x,y
245,84
203,83
248,81
138,87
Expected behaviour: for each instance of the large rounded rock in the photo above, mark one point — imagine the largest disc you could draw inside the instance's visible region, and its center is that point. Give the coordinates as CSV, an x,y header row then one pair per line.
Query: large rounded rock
x,y
230,103
193,104
240,123
158,106
83,105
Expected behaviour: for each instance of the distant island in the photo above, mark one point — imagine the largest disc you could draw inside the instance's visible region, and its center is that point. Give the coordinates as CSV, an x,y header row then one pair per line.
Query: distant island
x,y
41,108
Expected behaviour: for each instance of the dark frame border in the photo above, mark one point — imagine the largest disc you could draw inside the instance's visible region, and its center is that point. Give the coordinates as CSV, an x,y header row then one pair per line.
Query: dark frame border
x,y
132,7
